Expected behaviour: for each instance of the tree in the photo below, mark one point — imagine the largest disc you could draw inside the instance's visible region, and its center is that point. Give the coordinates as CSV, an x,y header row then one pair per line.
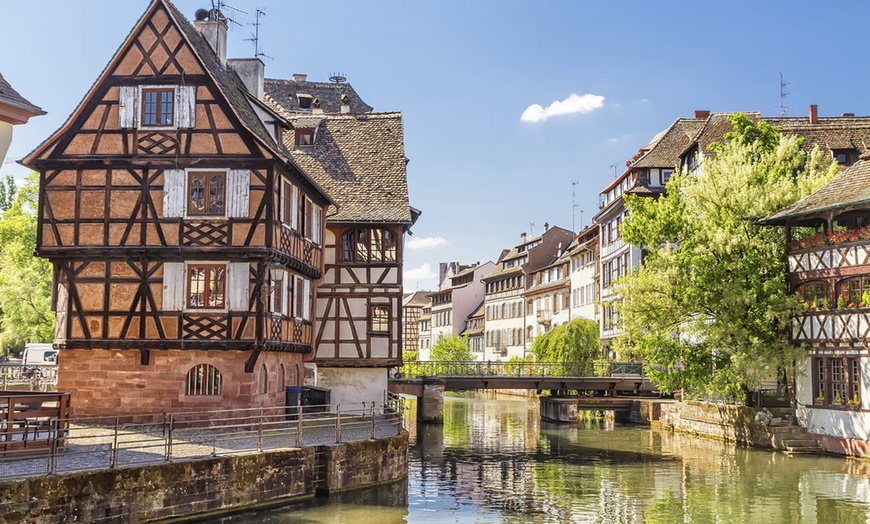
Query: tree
x,y
450,348
575,343
709,308
25,280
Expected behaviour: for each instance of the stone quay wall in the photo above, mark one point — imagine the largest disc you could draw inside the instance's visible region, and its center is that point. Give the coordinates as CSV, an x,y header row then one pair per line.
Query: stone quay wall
x,y
185,490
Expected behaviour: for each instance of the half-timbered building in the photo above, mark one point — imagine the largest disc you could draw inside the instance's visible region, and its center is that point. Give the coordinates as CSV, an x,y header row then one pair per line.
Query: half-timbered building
x,y
358,157
186,242
828,237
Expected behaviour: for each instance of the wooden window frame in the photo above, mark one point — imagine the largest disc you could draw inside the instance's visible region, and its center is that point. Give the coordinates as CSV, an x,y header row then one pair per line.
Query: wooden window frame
x,y
379,319
278,279
207,287
304,137
837,374
210,176
159,102
368,245
204,380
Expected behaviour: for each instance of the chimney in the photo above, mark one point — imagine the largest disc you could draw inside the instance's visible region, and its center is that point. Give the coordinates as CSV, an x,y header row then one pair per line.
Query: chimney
x,y
814,114
212,25
442,270
848,115
252,72
701,114
299,78
546,226
523,237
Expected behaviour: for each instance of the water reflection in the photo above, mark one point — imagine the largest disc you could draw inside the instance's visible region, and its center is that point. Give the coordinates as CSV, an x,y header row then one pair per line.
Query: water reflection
x,y
495,461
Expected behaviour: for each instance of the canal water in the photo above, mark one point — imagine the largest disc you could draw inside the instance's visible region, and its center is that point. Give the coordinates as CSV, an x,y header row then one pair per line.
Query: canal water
x,y
496,461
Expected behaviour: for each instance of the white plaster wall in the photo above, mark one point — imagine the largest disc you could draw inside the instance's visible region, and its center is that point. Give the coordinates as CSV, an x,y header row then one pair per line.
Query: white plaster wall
x,y
5,139
583,277
350,386
833,422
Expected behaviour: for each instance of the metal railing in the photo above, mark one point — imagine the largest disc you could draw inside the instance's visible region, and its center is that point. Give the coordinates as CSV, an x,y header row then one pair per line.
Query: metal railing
x,y
32,378
92,443
420,368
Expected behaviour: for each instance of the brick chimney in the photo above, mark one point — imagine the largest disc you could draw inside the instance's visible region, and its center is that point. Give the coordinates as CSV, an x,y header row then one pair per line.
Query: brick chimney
x,y
701,114
299,78
212,25
814,114
523,237
546,226
252,73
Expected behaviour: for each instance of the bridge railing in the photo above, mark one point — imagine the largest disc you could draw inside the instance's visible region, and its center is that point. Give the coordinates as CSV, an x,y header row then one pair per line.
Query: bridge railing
x,y
420,368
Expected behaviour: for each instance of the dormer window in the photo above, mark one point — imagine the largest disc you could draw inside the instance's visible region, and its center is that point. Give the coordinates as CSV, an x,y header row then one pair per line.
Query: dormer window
x,y
304,101
158,106
305,137
843,156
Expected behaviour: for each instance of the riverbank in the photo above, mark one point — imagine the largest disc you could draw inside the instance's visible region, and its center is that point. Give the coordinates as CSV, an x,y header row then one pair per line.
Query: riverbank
x,y
192,490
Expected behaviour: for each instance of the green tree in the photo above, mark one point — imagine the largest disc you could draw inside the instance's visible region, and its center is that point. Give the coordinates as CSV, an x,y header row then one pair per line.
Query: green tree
x,y
710,309
574,343
25,280
450,348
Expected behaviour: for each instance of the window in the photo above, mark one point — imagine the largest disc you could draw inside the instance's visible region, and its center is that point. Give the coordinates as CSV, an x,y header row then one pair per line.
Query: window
x,y
666,175
815,294
263,379
206,193
368,245
304,137
277,291
379,318
852,292
304,101
206,286
837,381
301,292
158,106
204,379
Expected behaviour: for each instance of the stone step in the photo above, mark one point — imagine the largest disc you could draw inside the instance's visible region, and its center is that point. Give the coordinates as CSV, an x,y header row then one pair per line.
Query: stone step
x,y
800,445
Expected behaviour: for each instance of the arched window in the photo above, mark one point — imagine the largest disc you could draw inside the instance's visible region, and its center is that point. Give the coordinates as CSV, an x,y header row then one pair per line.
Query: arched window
x,y
204,379
852,292
263,379
815,294
281,384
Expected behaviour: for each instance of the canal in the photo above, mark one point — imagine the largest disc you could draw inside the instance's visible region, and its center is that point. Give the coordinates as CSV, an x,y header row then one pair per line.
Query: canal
x,y
496,461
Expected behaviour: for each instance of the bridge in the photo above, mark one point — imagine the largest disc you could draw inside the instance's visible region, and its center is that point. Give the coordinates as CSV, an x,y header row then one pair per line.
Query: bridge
x,y
607,384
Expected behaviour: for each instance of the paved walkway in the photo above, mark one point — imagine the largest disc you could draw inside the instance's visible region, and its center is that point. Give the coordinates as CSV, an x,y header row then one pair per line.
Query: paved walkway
x,y
91,448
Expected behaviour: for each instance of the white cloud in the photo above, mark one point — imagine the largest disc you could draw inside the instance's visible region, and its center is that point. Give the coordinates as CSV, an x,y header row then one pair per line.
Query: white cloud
x,y
571,105
426,242
419,273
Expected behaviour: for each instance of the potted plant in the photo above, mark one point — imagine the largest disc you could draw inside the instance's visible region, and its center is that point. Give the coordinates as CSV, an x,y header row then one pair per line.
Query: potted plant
x,y
854,401
841,302
838,399
814,304
826,303
865,298
820,399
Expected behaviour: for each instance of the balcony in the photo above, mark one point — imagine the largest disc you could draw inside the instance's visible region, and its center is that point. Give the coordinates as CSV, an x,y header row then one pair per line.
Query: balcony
x,y
544,317
836,251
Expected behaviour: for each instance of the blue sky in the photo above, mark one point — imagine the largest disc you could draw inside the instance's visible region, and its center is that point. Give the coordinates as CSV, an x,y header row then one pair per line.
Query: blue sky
x,y
464,73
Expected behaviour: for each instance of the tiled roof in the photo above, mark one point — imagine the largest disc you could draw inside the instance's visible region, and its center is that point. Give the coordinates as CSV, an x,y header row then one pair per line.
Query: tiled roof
x,y
284,93
9,96
665,153
849,188
360,161
549,286
416,299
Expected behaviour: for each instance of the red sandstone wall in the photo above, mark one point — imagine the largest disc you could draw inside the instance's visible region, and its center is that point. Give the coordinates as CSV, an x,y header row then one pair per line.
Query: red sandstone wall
x,y
113,382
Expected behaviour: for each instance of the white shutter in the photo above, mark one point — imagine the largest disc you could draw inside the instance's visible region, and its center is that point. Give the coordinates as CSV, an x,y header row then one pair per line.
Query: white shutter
x,y
306,301
173,286
295,209
238,282
173,193
315,217
61,317
285,307
283,195
185,106
238,189
128,107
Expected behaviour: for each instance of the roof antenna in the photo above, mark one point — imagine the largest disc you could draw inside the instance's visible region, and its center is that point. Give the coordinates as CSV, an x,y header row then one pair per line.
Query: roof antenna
x,y
255,36
531,229
613,167
219,6
337,78
783,110
574,208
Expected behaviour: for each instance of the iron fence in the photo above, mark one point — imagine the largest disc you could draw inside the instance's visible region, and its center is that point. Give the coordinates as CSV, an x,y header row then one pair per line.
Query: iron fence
x,y
33,378
421,368
91,443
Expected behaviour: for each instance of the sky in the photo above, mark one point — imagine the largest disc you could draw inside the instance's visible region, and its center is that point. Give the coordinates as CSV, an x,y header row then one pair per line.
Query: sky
x,y
516,114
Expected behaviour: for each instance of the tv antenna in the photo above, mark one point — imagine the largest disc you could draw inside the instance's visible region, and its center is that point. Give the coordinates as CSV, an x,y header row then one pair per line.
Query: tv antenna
x,y
338,78
219,6
613,167
574,207
531,229
783,109
255,37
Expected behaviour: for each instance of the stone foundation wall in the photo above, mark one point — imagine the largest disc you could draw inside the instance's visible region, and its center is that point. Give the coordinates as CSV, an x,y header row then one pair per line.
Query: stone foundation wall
x,y
114,382
203,487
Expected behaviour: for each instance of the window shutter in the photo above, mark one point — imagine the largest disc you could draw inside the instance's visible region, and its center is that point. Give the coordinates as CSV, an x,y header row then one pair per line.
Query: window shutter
x,y
238,189
238,283
315,216
285,307
173,286
306,301
185,106
295,208
128,107
173,193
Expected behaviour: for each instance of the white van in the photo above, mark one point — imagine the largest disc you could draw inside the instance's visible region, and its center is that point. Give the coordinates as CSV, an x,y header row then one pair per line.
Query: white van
x,y
39,355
